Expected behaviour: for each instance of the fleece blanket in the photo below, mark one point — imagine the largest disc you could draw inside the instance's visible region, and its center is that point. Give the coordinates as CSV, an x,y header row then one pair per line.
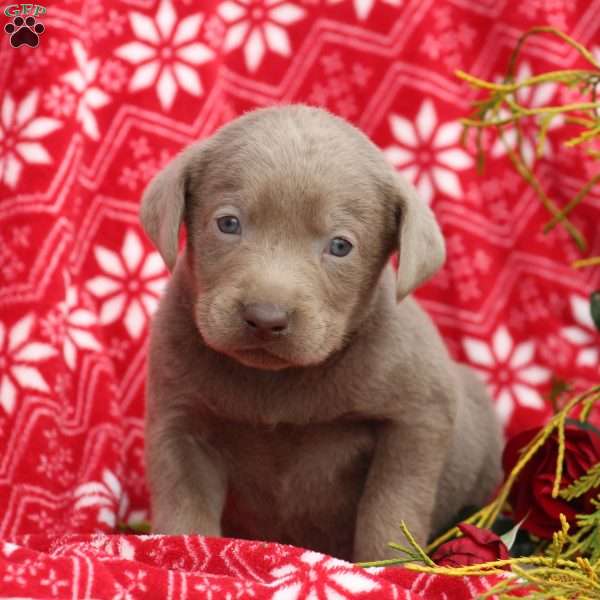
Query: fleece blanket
x,y
95,97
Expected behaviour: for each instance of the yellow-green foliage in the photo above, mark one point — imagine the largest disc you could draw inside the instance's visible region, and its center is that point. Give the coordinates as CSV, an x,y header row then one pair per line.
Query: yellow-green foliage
x,y
500,108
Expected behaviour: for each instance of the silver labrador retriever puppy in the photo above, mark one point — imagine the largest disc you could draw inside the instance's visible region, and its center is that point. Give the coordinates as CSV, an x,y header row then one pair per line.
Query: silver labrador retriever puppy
x,y
295,392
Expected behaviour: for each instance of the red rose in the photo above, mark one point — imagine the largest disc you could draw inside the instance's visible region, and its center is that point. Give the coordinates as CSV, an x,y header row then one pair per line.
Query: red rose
x,y
531,493
475,547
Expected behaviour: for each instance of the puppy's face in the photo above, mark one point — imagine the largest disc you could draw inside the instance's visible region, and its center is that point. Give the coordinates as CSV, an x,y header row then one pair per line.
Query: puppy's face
x,y
285,254
291,215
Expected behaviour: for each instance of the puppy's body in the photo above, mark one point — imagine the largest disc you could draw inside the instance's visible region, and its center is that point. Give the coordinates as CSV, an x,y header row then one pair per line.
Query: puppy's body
x,y
328,451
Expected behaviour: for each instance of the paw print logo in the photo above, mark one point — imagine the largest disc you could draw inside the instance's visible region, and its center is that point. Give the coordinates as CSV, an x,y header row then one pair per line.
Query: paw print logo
x,y
24,31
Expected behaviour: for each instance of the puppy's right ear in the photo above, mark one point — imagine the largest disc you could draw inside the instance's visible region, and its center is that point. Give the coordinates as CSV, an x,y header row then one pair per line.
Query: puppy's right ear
x,y
163,206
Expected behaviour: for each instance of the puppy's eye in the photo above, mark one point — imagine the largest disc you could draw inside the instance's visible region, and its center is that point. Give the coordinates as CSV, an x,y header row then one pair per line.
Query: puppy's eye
x,y
339,247
229,224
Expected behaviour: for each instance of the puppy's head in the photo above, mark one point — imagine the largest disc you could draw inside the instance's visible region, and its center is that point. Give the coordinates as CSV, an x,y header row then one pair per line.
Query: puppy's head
x,y
291,215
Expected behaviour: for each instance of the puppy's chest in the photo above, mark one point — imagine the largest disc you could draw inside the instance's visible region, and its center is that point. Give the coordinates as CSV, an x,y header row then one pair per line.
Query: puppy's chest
x,y
286,472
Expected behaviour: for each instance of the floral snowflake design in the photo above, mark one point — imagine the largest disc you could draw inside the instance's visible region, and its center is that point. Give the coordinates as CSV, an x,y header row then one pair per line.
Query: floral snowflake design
x,y
163,53
257,26
508,371
447,40
363,8
19,130
42,521
113,75
10,263
207,587
326,578
56,463
19,361
427,153
82,81
130,285
69,325
60,100
15,574
342,79
553,12
53,582
56,466
540,95
584,334
109,496
136,583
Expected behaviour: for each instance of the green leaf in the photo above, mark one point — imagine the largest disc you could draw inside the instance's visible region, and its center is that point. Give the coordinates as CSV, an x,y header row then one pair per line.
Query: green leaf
x,y
142,527
595,308
582,425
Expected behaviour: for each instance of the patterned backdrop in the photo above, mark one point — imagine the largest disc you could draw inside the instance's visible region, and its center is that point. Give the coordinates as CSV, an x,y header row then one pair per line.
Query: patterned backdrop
x,y
111,92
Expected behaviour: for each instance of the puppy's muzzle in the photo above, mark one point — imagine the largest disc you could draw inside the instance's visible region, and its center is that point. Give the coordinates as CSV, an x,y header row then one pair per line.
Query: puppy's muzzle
x,y
265,320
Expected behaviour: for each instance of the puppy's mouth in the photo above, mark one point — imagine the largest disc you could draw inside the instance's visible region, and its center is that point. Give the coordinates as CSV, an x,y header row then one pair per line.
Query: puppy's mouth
x,y
259,358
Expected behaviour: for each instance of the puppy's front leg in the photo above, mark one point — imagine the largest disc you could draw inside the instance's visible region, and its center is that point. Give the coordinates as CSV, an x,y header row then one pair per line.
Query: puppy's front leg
x,y
187,480
401,485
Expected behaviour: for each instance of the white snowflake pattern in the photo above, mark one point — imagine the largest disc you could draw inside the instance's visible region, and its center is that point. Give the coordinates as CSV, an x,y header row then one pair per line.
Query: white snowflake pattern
x,y
257,26
530,97
137,580
91,97
19,361
363,8
427,153
321,577
130,285
60,100
121,592
584,334
508,371
19,130
53,582
10,263
55,466
207,587
109,496
77,321
69,325
15,574
113,75
165,54
244,589
42,521
553,12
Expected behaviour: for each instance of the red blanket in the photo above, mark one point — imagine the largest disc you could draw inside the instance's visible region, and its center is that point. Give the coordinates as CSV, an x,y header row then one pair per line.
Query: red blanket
x,y
95,98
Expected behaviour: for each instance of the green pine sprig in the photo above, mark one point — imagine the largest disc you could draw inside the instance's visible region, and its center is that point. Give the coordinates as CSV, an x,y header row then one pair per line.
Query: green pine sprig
x,y
584,484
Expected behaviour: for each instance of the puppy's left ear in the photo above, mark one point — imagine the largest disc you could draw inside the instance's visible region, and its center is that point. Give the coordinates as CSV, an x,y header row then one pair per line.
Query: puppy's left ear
x,y
420,241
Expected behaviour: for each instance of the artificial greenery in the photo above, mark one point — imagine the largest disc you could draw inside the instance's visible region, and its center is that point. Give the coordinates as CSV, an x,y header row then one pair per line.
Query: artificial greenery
x,y
500,108
584,484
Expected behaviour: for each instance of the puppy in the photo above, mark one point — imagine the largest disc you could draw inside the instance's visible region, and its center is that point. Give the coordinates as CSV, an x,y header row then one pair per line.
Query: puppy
x,y
296,392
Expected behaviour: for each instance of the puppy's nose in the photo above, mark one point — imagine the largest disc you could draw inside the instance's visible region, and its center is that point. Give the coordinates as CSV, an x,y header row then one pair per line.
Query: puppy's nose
x,y
266,318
